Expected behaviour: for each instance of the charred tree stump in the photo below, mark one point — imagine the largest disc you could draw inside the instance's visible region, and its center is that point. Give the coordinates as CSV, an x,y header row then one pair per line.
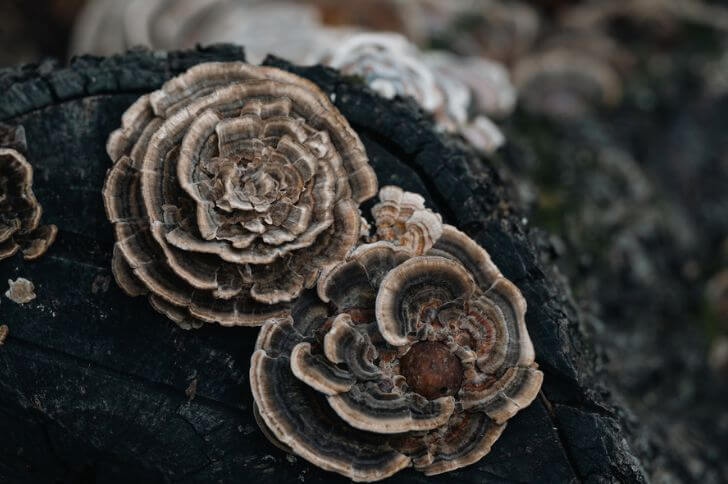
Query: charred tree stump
x,y
98,387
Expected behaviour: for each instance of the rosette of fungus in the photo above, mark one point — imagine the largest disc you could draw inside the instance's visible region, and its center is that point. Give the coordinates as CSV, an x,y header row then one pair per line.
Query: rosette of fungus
x,y
20,212
232,188
398,361
393,66
401,218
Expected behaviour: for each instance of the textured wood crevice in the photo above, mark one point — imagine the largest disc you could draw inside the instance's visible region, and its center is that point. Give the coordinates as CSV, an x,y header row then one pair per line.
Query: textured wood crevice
x,y
105,376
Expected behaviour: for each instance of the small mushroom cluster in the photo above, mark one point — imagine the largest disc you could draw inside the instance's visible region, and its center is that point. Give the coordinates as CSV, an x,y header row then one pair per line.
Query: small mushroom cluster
x,y
232,188
20,212
412,352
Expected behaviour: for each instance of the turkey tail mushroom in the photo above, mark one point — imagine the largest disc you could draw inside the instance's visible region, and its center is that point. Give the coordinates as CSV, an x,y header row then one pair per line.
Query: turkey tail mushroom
x,y
399,359
232,188
400,217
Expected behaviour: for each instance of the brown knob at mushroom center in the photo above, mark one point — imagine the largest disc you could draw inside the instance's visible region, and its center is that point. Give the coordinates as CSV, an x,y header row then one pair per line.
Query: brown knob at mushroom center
x,y
432,370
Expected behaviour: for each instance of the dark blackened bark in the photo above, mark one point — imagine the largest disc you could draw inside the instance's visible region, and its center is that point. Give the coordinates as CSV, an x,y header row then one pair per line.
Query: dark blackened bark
x,y
92,382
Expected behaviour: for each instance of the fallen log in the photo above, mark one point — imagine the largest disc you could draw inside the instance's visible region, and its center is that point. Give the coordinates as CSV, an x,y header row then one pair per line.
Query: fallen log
x,y
97,386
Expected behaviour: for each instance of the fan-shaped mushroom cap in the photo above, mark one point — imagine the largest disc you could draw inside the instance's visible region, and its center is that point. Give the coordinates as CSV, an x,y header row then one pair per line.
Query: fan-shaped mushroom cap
x,y
232,187
298,416
415,284
419,360
400,217
20,212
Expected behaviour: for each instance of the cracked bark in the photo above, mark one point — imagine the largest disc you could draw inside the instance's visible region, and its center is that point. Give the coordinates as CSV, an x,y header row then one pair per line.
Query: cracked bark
x,y
90,357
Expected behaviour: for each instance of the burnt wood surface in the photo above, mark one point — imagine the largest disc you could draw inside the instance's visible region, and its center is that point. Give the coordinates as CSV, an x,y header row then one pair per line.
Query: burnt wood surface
x,y
95,386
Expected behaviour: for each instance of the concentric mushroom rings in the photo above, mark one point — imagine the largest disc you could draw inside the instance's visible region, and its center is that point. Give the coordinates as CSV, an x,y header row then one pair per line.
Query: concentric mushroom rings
x,y
234,196
232,187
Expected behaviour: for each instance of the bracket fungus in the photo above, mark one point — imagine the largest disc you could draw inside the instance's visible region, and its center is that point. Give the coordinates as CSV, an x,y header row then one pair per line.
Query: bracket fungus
x,y
20,212
397,360
232,188
401,218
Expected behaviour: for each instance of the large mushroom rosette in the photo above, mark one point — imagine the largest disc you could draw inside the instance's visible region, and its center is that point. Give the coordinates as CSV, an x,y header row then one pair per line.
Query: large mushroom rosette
x,y
408,354
232,188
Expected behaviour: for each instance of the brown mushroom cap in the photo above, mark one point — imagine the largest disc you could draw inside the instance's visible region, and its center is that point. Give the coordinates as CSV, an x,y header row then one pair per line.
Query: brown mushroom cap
x,y
299,417
20,212
400,217
419,358
418,283
505,377
232,187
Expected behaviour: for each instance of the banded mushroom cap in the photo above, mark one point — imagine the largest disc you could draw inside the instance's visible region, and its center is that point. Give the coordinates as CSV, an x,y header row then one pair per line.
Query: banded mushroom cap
x,y
400,361
20,212
393,66
400,217
232,187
